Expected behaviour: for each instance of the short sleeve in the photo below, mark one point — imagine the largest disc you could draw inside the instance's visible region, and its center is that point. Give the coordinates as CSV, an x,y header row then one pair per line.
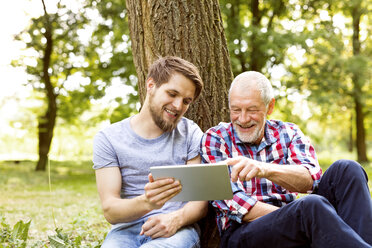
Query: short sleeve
x,y
193,140
103,153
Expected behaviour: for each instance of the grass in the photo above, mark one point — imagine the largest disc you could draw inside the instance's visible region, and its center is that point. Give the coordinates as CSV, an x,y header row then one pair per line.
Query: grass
x,y
73,204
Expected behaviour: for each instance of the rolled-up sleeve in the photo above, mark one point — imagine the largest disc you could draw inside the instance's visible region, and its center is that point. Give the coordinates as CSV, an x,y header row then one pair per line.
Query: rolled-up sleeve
x,y
302,152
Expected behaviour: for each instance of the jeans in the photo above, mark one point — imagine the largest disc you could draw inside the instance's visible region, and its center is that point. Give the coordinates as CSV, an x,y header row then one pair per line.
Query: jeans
x,y
127,235
339,214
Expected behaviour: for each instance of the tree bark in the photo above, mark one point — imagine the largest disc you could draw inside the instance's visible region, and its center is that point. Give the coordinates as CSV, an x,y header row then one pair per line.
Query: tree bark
x,y
47,121
255,49
359,115
192,30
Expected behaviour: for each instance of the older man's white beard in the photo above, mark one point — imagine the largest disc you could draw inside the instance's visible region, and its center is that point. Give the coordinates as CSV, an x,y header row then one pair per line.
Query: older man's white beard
x,y
250,137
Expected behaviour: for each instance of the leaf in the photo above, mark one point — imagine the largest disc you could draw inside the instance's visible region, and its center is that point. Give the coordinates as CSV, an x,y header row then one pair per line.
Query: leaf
x,y
56,242
20,230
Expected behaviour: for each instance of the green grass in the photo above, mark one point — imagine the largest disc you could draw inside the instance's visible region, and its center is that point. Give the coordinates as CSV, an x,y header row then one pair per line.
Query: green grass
x,y
73,204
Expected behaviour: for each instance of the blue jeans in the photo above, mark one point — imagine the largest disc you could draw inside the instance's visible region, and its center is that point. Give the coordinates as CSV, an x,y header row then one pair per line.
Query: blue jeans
x,y
128,236
339,214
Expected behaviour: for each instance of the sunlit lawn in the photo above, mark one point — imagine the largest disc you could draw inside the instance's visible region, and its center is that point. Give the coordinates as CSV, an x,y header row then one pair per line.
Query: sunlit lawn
x,y
73,203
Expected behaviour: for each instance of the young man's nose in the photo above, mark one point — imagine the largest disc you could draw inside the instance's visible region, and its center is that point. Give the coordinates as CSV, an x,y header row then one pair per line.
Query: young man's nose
x,y
177,103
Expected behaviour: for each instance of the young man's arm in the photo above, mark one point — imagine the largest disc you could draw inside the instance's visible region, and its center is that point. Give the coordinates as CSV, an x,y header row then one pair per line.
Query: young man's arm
x,y
165,225
117,210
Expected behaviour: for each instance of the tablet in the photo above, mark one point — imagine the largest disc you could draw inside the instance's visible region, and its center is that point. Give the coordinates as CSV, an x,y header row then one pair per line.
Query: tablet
x,y
200,182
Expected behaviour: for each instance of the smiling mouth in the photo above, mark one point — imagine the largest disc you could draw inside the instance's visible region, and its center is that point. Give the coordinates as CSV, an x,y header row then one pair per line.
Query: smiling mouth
x,y
171,113
247,126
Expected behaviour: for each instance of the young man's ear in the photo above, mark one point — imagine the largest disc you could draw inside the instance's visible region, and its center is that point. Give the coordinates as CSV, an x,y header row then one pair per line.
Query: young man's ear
x,y
150,84
270,108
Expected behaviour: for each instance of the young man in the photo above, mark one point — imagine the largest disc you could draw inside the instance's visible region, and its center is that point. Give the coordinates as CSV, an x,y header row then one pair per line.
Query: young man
x,y
135,203
270,161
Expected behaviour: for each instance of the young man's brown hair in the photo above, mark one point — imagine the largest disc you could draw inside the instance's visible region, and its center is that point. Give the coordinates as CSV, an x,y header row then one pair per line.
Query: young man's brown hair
x,y
163,68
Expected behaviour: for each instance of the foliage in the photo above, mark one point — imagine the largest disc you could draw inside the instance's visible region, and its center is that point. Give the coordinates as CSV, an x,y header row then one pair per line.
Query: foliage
x,y
80,69
64,240
112,34
331,74
256,31
70,71
16,237
307,51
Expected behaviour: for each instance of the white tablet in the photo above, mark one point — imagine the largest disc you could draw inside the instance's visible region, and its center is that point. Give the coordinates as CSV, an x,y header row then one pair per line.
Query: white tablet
x,y
200,182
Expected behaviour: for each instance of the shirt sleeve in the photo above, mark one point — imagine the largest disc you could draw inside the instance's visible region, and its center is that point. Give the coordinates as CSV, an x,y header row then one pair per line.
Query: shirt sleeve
x,y
215,149
103,152
302,152
195,136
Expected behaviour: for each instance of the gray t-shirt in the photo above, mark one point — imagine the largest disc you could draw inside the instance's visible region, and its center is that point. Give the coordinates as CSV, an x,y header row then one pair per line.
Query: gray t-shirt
x,y
119,146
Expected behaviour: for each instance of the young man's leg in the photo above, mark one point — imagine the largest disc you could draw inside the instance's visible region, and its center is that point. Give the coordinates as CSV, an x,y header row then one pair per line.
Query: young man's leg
x,y
308,221
127,235
187,237
345,185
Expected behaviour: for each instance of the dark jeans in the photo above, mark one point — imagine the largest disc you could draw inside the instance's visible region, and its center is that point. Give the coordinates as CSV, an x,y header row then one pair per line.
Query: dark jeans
x,y
339,214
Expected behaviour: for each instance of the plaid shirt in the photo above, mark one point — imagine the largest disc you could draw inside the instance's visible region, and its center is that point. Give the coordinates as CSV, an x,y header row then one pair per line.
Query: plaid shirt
x,y
283,143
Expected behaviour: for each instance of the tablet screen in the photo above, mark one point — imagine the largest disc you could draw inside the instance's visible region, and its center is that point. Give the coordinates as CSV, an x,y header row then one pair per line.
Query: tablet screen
x,y
200,182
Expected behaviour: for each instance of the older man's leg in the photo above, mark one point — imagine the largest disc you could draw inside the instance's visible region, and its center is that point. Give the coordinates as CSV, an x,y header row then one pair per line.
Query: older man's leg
x,y
345,185
310,221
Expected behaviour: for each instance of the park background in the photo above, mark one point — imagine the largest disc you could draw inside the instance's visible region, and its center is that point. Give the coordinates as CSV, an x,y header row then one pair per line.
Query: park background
x,y
318,55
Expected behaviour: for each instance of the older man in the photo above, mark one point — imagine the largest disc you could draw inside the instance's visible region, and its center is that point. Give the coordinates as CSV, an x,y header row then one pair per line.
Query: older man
x,y
270,162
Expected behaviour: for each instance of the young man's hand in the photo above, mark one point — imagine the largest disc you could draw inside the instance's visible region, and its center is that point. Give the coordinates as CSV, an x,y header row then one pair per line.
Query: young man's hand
x,y
158,192
162,225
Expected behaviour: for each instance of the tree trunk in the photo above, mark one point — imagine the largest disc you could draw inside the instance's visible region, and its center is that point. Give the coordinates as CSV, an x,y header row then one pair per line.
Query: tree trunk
x,y
192,30
255,52
47,121
359,115
350,143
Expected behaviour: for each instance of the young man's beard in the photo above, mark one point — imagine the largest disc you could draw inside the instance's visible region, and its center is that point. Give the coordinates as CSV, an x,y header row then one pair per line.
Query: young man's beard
x,y
156,115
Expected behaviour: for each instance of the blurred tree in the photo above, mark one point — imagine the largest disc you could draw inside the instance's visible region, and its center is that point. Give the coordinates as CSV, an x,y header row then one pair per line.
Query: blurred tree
x,y
54,41
192,30
336,72
75,55
256,32
259,35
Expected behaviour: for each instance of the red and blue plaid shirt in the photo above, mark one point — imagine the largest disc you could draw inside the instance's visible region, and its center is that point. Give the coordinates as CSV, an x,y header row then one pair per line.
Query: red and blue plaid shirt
x,y
283,143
